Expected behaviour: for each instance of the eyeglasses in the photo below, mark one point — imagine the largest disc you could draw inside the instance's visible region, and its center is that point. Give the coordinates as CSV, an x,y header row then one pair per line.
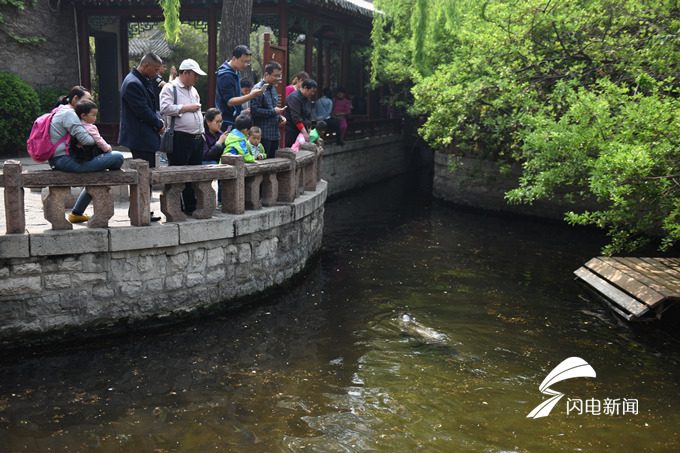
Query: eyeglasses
x,y
245,63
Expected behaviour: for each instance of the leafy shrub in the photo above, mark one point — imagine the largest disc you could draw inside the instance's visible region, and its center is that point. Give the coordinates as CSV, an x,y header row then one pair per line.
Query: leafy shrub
x,y
586,95
47,98
18,110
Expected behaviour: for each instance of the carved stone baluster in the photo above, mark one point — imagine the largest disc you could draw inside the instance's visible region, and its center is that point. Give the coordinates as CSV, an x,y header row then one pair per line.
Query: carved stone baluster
x,y
171,197
15,211
205,199
102,202
140,198
287,179
54,206
233,190
270,189
319,155
252,192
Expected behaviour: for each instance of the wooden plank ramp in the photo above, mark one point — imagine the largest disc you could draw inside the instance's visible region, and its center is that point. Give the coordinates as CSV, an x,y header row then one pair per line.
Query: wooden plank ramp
x,y
636,288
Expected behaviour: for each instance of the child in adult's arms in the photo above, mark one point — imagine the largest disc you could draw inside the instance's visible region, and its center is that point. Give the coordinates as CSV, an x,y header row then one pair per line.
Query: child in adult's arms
x,y
87,112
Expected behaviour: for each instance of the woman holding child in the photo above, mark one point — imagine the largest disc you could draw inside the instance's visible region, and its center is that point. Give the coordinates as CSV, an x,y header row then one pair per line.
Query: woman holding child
x,y
66,122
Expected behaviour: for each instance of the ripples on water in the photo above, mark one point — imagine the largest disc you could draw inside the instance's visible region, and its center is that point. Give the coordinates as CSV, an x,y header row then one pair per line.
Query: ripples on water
x,y
326,367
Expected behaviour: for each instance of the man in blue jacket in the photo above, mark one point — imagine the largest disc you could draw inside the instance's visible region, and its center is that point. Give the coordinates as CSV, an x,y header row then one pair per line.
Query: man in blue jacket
x,y
228,96
140,124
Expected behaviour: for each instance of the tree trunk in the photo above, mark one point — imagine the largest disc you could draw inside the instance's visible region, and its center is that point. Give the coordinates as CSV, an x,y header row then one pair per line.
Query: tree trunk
x,y
235,28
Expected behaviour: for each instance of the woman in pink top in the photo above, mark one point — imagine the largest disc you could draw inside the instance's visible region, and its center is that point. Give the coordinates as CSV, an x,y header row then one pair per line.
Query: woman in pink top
x,y
341,111
297,82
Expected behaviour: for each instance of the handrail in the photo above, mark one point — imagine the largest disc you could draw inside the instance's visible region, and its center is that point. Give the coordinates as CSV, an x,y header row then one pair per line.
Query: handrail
x,y
244,186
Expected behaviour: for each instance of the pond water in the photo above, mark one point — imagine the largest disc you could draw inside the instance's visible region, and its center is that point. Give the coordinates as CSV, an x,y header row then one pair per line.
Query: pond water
x,y
327,367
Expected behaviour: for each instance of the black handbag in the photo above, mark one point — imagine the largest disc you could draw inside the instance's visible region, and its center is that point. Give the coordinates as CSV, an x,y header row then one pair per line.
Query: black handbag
x,y
168,137
83,153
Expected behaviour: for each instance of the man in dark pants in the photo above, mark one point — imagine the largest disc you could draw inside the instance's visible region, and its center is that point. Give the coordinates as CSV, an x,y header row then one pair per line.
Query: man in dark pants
x,y
299,112
265,111
188,145
140,124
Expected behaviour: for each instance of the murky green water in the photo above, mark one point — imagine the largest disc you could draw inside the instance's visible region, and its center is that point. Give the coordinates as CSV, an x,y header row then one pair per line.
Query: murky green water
x,y
327,368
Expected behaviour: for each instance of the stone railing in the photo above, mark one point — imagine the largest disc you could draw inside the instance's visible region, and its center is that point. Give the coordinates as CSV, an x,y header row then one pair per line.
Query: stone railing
x,y
244,186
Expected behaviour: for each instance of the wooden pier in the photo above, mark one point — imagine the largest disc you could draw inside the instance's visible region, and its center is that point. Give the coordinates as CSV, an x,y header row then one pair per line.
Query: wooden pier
x,y
636,288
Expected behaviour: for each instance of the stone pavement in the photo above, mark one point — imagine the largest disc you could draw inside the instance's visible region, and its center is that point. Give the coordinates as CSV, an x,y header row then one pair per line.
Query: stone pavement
x,y
35,221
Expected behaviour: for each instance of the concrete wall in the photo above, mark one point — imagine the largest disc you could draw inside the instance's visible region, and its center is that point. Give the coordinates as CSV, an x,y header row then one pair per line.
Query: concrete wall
x,y
362,162
49,64
471,182
95,278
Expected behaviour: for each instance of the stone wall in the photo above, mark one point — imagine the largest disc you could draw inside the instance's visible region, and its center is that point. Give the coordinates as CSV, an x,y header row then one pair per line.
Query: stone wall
x,y
471,182
130,274
362,162
49,64
95,278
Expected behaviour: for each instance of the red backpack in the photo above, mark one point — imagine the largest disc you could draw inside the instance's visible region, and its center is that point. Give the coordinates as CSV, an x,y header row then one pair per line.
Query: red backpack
x,y
39,145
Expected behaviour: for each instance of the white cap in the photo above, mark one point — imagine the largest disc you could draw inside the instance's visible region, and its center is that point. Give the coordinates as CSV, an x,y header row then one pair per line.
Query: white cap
x,y
192,65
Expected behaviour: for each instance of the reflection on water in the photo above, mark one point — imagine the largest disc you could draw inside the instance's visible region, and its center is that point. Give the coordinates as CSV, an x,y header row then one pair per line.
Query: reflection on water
x,y
328,367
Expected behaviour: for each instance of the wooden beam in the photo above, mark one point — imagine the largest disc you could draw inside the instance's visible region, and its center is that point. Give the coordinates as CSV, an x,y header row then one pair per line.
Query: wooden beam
x,y
623,300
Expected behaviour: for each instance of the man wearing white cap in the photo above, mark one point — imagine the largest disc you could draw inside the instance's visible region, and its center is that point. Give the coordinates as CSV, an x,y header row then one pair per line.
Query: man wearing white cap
x,y
188,142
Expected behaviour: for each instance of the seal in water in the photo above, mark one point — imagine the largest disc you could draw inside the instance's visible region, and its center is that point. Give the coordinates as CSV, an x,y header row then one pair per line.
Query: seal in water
x,y
427,335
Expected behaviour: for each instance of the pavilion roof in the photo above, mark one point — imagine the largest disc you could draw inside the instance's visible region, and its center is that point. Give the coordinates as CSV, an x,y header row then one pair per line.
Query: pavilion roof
x,y
155,43
362,7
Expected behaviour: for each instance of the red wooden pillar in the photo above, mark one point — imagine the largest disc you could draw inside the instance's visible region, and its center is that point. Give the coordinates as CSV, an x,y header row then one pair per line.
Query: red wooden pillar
x,y
84,51
283,39
327,67
309,47
345,59
212,56
283,42
320,73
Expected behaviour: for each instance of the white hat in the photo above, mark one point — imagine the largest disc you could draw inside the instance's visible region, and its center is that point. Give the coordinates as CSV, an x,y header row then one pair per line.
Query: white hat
x,y
192,65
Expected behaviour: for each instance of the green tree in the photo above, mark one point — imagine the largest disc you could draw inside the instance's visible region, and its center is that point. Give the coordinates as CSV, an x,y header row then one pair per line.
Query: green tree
x,y
192,44
584,94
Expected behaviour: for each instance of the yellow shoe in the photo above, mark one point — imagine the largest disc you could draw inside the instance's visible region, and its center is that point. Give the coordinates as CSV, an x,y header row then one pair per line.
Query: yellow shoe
x,y
75,218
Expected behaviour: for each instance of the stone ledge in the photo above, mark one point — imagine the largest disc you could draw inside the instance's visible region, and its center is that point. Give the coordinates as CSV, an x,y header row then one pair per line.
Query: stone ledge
x,y
263,219
14,246
309,203
354,145
219,227
137,238
60,242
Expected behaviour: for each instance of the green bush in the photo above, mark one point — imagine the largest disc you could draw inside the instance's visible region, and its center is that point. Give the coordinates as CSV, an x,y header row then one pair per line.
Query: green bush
x,y
18,110
47,98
